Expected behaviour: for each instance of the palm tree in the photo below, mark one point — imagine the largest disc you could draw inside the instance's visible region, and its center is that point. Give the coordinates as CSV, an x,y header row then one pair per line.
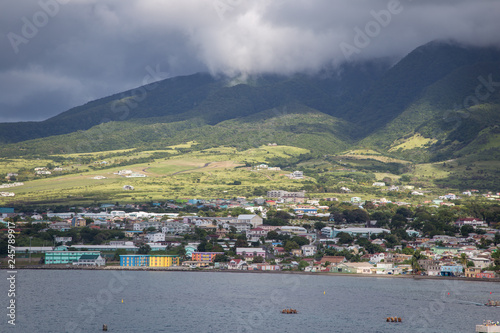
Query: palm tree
x,y
415,266
463,259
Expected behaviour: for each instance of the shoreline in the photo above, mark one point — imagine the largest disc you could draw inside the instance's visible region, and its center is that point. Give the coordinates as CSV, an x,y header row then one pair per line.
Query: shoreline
x,y
180,269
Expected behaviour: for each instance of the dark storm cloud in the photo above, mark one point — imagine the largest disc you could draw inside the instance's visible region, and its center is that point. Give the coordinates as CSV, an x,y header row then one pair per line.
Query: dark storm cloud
x,y
62,53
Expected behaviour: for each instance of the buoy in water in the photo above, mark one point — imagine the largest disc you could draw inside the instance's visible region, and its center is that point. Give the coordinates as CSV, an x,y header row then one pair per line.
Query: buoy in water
x,y
324,292
122,300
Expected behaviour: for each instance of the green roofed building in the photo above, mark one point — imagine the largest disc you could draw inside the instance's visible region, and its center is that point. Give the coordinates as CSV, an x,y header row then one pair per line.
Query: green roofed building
x,y
66,257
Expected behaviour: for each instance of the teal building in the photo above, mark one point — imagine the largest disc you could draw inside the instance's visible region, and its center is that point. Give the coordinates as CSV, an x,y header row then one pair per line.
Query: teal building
x,y
66,257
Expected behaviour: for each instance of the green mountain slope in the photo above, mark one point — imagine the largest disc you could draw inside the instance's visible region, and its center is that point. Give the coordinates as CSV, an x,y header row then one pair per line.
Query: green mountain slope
x,y
408,79
294,124
451,128
412,110
211,99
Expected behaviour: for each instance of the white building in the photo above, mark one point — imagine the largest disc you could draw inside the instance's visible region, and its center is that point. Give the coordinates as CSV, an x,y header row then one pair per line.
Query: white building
x,y
285,194
293,229
63,240
155,237
118,213
308,250
253,219
90,260
250,252
145,225
176,228
296,175
240,227
253,235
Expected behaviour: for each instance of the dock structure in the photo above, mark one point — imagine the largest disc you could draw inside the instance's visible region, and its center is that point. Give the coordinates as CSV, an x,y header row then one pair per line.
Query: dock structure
x,y
488,327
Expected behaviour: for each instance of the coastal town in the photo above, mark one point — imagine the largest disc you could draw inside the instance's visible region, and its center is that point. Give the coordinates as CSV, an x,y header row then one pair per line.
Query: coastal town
x,y
284,231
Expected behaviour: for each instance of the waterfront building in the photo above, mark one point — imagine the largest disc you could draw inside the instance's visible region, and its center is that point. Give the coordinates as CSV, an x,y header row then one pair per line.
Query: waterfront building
x,y
360,267
90,260
451,270
343,268
134,260
238,264
471,272
204,256
250,252
163,260
66,257
190,248
146,260
264,267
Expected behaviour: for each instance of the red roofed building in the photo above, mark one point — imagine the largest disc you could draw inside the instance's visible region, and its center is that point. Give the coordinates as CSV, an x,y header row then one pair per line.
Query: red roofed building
x,y
239,264
332,259
470,221
255,234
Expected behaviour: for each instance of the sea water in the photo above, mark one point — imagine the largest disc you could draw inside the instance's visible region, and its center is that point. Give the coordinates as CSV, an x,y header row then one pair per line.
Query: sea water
x,y
147,301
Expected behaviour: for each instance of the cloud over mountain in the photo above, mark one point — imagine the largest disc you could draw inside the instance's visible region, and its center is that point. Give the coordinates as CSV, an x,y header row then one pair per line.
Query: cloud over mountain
x,y
60,53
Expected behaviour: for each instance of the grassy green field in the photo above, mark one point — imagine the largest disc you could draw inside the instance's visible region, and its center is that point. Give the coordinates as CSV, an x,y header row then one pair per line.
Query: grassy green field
x,y
415,141
206,173
14,165
223,172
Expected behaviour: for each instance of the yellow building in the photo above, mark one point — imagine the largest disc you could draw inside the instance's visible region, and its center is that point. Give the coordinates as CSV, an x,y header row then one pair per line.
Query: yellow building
x,y
163,260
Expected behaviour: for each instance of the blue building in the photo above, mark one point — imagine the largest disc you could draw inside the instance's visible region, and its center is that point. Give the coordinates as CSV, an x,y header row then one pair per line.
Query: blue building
x,y
305,210
451,270
364,232
134,260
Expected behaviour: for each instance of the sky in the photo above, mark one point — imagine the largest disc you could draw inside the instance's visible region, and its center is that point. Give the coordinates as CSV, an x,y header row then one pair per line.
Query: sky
x,y
57,54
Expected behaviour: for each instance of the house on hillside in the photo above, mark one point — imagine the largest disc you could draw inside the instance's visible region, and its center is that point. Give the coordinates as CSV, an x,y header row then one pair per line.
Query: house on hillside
x,y
78,222
377,257
470,221
253,219
155,237
308,250
253,235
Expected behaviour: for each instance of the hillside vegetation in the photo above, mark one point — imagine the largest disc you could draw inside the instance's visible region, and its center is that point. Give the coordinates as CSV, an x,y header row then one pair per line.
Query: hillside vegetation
x,y
439,106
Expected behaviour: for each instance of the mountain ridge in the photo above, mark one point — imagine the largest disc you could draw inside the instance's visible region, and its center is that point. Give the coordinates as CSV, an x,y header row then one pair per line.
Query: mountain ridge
x,y
369,104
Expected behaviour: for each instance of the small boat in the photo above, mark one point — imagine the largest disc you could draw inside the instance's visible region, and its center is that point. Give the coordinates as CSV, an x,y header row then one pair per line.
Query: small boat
x,y
492,303
488,326
393,319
